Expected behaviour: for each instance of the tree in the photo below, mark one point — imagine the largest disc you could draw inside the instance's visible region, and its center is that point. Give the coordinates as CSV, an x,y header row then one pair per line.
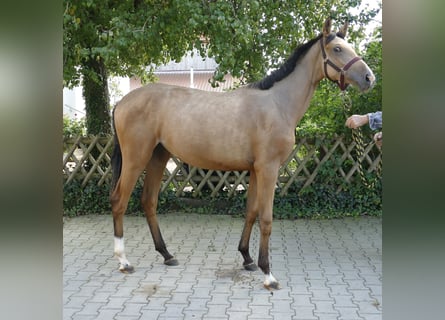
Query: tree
x,y
246,38
119,38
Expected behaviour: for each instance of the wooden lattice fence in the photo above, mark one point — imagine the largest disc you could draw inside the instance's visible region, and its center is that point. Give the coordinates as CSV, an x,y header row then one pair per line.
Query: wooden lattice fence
x,y
89,158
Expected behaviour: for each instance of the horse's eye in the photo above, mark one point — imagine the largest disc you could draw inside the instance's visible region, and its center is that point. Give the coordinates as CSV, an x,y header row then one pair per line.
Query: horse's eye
x,y
337,49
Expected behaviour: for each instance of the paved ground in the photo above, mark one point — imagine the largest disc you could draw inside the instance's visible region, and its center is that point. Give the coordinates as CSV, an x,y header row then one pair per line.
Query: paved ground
x,y
327,269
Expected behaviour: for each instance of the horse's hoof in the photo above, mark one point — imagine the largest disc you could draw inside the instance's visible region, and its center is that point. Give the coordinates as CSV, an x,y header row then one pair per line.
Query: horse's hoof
x,y
171,262
270,283
272,286
250,267
126,269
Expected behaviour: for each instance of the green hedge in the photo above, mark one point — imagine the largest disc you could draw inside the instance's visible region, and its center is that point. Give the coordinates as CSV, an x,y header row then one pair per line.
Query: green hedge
x,y
320,200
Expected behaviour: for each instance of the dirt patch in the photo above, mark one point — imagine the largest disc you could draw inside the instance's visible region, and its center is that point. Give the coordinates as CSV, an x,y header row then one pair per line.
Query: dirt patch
x,y
237,276
149,289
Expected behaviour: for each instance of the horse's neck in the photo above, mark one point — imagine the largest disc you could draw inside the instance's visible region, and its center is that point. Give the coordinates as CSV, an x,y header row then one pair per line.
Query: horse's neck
x,y
294,93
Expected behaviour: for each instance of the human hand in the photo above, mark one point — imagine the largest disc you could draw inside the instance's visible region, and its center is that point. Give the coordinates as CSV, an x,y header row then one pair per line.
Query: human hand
x,y
378,138
356,121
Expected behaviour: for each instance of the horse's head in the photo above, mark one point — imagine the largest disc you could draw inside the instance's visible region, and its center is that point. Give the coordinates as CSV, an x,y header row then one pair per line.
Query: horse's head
x,y
340,62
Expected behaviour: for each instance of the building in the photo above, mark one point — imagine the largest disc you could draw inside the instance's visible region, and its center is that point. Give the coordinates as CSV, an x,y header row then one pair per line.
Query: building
x,y
192,71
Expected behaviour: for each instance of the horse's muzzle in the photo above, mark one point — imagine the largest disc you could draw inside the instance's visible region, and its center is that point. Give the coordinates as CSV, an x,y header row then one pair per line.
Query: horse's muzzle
x,y
370,79
366,82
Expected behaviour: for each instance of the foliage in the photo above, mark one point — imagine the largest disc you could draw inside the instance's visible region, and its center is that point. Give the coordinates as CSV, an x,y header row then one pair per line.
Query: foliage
x,y
246,38
89,200
73,127
319,201
322,199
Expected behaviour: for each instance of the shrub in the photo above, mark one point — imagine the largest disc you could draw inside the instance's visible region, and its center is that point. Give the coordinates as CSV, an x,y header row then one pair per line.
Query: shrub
x,y
321,200
73,127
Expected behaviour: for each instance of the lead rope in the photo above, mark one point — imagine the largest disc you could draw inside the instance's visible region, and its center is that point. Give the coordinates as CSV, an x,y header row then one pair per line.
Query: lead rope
x,y
357,136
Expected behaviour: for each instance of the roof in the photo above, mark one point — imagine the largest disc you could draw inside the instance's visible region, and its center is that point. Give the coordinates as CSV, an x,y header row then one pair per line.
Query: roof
x,y
184,79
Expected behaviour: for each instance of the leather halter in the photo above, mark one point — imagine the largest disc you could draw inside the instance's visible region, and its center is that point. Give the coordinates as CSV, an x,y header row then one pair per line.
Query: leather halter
x,y
327,62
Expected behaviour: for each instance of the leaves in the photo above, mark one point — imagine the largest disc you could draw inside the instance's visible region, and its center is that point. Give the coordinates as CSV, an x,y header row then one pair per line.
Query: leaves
x,y
73,127
319,201
246,38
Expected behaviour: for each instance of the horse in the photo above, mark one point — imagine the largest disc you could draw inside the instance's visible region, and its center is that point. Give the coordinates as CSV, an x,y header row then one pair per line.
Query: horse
x,y
250,128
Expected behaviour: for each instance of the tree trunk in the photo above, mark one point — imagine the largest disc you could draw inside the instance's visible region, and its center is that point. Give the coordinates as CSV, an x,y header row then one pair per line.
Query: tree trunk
x,y
97,100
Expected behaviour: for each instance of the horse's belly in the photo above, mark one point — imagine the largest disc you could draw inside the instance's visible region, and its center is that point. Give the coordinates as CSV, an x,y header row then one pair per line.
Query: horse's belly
x,y
209,154
215,164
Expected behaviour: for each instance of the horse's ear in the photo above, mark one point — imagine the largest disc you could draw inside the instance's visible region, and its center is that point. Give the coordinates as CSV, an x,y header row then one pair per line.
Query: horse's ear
x,y
327,27
343,30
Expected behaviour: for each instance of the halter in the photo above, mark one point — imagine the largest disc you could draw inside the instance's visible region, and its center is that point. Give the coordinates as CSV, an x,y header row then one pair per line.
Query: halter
x,y
327,62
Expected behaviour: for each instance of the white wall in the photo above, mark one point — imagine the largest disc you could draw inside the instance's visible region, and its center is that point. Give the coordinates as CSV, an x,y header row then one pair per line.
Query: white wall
x,y
74,104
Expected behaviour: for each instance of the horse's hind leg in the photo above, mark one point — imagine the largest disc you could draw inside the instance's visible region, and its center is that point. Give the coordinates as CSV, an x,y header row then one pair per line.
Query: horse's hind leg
x,y
119,203
134,159
251,215
152,183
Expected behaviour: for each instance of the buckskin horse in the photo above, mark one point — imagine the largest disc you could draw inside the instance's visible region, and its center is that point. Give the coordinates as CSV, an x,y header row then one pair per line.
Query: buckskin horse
x,y
250,128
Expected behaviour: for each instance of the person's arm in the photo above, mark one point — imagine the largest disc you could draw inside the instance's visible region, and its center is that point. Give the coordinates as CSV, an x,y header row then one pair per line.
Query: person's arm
x,y
375,120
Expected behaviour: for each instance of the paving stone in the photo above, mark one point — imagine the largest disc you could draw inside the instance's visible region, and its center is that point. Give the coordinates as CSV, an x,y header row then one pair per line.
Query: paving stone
x,y
260,299
348,313
219,298
344,301
156,303
371,316
194,314
197,304
216,310
202,292
68,312
304,313
368,307
106,314
115,302
132,309
150,314
327,269
173,310
324,306
76,302
326,316
238,305
90,308
84,317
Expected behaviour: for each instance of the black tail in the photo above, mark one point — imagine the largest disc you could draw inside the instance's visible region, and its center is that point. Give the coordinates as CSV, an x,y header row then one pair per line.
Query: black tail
x,y
116,158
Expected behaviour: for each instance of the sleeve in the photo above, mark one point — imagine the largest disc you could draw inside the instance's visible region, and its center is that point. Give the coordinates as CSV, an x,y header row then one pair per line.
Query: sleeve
x,y
375,120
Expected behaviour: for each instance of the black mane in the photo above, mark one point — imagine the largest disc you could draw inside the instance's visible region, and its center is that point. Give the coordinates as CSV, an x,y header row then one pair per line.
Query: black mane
x,y
286,69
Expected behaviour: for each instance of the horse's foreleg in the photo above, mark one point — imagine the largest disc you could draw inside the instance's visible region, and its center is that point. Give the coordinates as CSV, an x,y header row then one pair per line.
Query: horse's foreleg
x,y
266,178
152,183
251,215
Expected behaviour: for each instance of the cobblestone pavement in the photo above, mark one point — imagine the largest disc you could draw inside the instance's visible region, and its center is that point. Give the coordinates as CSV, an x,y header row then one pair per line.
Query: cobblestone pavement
x,y
328,269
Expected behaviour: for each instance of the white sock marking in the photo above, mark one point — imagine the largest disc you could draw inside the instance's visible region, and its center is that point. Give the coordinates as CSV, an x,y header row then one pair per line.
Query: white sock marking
x,y
119,251
269,279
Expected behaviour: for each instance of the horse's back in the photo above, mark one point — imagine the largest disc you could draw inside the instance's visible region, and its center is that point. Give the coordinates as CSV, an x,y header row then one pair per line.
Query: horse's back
x,y
207,129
